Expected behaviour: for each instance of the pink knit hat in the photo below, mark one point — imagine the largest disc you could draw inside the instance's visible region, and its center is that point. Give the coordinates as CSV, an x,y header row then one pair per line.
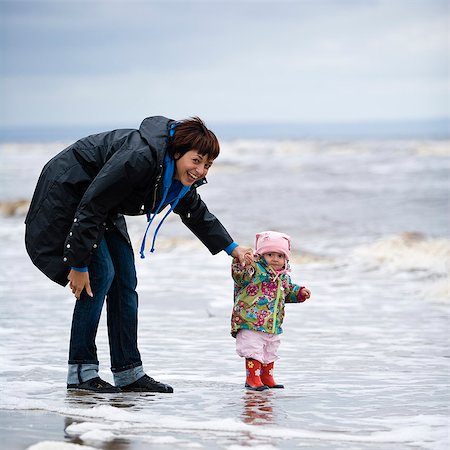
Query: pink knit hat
x,y
272,241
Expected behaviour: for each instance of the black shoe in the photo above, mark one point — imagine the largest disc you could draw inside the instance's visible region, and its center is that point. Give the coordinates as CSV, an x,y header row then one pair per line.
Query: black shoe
x,y
95,385
147,384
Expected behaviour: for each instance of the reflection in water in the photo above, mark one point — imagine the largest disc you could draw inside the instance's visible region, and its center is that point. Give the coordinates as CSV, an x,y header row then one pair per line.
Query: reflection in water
x,y
86,398
93,399
113,444
258,408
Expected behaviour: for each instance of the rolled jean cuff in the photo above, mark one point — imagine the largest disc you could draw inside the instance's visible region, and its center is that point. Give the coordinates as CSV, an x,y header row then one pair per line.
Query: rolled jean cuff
x,y
79,373
128,376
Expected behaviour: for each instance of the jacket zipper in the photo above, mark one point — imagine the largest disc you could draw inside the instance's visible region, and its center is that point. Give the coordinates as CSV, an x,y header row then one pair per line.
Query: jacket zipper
x,y
275,308
155,192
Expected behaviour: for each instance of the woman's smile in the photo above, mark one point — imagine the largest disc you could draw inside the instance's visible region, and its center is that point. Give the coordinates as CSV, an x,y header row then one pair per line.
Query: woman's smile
x,y
191,167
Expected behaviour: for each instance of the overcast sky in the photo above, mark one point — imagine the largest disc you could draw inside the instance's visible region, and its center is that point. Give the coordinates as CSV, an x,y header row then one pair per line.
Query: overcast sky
x,y
116,62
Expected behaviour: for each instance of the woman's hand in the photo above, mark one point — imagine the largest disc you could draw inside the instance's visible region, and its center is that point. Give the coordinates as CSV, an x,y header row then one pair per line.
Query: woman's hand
x,y
244,255
78,282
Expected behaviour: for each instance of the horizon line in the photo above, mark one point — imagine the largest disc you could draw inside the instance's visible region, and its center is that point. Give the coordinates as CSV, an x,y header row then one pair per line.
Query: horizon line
x,y
438,128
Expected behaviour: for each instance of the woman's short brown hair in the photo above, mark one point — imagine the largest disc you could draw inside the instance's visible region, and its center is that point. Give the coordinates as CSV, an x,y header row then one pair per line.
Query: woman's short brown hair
x,y
192,134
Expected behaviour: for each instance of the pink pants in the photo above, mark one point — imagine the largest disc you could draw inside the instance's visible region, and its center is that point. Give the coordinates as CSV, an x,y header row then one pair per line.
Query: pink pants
x,y
258,345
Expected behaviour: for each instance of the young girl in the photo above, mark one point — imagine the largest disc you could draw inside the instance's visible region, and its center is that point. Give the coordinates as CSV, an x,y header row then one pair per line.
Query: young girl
x,y
260,291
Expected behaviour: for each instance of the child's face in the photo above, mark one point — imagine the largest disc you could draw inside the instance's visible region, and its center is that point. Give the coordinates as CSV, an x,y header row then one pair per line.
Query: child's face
x,y
276,260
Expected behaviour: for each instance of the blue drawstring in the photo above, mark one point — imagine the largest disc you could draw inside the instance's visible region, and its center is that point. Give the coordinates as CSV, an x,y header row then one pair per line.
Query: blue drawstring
x,y
150,218
173,206
157,229
167,181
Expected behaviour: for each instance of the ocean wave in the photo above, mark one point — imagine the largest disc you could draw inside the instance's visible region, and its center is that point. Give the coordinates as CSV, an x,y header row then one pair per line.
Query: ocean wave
x,y
243,147
408,252
303,257
169,244
434,148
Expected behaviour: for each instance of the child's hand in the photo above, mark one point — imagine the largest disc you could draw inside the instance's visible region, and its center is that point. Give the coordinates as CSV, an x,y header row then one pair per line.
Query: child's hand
x,y
244,255
305,293
248,258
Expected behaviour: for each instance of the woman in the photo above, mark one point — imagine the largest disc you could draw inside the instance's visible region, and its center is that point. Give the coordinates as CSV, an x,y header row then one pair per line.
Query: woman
x,y
76,232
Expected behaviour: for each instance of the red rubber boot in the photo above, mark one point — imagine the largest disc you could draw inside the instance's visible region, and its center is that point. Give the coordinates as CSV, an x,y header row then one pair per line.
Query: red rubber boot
x,y
267,377
253,380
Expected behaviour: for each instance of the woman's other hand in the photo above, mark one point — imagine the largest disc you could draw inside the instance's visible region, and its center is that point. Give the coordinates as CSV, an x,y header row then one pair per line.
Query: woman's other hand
x,y
78,282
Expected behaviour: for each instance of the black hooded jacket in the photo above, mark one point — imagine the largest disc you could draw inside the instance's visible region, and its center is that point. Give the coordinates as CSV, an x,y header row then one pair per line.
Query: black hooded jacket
x,y
90,185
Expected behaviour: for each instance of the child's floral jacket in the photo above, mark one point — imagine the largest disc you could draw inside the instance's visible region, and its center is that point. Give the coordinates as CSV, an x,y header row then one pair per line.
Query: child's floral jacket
x,y
259,297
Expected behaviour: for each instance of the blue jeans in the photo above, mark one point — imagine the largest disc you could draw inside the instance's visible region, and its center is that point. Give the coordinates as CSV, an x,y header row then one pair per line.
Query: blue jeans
x,y
113,276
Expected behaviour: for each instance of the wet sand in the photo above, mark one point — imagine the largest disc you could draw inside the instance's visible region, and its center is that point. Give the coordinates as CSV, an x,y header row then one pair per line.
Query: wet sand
x,y
21,429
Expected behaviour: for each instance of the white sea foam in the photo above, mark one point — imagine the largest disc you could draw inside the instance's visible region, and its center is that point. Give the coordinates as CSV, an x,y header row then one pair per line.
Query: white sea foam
x,y
438,290
59,445
428,432
435,148
408,252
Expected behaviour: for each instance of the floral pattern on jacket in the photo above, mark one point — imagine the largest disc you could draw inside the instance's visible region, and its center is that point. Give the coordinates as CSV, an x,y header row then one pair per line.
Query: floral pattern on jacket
x,y
259,297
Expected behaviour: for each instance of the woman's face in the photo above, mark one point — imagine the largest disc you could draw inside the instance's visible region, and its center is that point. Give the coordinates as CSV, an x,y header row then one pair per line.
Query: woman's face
x,y
191,167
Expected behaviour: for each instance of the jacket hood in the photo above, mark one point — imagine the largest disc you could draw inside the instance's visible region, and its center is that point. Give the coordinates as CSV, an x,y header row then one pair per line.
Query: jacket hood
x,y
155,131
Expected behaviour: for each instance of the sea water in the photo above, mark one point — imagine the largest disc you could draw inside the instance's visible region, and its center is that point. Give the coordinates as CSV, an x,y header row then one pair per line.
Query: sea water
x,y
365,362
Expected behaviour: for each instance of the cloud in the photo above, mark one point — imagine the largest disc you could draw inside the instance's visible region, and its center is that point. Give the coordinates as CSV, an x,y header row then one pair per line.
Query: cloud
x,y
324,60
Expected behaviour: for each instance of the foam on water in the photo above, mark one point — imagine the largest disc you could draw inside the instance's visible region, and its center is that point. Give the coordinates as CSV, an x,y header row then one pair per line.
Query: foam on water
x,y
409,252
411,255
58,445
